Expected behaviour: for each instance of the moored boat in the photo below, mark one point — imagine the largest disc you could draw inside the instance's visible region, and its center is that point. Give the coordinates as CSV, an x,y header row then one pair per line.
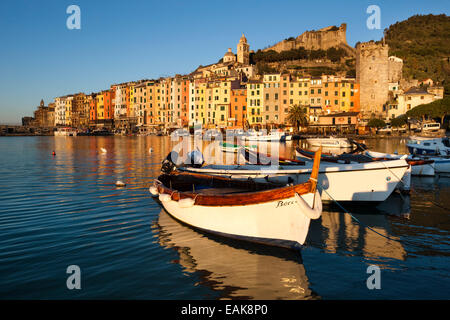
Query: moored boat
x,y
274,136
370,181
66,132
419,165
234,148
259,212
437,146
331,142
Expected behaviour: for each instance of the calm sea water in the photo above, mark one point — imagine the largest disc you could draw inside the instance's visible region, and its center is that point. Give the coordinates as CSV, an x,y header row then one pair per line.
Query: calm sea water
x,y
57,211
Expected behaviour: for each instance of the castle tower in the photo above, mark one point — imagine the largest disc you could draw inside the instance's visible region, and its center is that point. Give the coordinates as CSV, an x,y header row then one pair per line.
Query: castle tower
x,y
243,51
372,73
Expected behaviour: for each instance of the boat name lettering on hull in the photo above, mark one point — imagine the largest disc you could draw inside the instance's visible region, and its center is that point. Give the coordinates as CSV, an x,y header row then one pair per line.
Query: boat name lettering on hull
x,y
282,203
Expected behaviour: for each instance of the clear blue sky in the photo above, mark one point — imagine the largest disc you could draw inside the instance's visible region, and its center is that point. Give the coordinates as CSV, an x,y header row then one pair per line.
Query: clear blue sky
x,y
129,40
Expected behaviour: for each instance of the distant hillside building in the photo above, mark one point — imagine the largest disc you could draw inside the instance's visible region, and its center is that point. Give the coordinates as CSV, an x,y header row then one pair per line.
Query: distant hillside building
x,y
412,98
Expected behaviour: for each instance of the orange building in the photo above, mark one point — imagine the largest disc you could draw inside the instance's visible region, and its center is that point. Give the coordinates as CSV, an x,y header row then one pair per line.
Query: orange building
x,y
108,103
354,98
93,108
238,107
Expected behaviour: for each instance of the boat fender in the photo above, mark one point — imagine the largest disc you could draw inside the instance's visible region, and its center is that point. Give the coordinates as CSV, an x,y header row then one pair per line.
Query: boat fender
x,y
164,197
306,209
153,190
186,202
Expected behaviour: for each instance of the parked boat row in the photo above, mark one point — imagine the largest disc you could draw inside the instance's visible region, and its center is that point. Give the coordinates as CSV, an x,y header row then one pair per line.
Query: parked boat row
x,y
274,204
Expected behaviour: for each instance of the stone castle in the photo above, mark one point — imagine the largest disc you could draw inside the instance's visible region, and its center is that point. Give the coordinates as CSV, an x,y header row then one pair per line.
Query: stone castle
x,y
324,39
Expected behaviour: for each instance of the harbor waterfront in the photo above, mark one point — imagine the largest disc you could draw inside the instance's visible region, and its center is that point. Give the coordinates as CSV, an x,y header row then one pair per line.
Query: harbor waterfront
x,y
65,209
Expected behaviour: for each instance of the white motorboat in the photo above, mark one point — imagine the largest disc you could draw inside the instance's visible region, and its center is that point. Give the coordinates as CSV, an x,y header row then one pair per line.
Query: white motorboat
x,y
331,142
273,136
258,212
437,146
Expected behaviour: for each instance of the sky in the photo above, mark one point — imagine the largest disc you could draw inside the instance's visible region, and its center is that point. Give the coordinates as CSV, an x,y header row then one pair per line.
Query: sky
x,y
119,41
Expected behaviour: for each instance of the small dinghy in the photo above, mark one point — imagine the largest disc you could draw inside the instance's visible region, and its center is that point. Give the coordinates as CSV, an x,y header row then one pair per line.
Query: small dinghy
x,y
259,212
234,148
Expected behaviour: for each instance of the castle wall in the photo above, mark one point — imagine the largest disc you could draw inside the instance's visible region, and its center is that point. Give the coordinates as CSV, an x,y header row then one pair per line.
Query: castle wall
x,y
314,40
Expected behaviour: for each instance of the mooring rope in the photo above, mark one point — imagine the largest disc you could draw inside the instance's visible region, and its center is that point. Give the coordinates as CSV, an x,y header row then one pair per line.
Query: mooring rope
x,y
356,219
415,192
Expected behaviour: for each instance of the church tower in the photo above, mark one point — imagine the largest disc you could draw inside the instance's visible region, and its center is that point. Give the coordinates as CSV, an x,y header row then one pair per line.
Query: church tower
x,y
243,51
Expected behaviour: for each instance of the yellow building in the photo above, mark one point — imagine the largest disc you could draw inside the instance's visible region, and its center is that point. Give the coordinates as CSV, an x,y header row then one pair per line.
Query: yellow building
x,y
221,97
255,102
299,91
100,106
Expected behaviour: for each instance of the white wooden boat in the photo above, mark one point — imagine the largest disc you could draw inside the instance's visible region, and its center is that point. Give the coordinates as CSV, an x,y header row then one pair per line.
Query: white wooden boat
x,y
258,212
331,142
419,166
441,163
371,181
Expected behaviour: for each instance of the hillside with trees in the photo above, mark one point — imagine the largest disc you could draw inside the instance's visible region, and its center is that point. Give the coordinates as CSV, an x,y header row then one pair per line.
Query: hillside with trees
x,y
423,42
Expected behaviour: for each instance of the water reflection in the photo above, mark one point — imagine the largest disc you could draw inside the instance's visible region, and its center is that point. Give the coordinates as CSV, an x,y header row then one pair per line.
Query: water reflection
x,y
337,232
238,270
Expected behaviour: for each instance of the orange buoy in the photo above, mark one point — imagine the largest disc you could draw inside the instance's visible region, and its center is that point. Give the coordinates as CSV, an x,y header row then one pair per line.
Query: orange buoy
x,y
54,153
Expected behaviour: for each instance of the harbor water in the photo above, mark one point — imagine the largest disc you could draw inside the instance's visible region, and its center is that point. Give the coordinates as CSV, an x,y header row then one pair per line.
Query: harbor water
x,y
65,209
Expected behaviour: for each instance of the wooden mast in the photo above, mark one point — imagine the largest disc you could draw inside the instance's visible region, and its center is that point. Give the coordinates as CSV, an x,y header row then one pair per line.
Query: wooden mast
x,y
315,170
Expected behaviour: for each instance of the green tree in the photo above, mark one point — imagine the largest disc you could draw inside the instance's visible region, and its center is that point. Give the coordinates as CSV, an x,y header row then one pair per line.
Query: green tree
x,y
376,123
399,121
436,109
298,116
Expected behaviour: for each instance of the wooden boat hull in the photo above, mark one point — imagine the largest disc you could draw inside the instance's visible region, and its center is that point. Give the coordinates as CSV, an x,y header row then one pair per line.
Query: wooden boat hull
x,y
373,181
258,212
279,223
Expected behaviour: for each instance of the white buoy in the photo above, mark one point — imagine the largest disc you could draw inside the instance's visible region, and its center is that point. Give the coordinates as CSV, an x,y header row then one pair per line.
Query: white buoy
x,y
103,150
120,184
153,190
150,150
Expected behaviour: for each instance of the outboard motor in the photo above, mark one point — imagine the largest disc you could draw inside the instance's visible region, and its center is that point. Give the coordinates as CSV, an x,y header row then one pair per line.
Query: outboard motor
x,y
168,165
195,159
